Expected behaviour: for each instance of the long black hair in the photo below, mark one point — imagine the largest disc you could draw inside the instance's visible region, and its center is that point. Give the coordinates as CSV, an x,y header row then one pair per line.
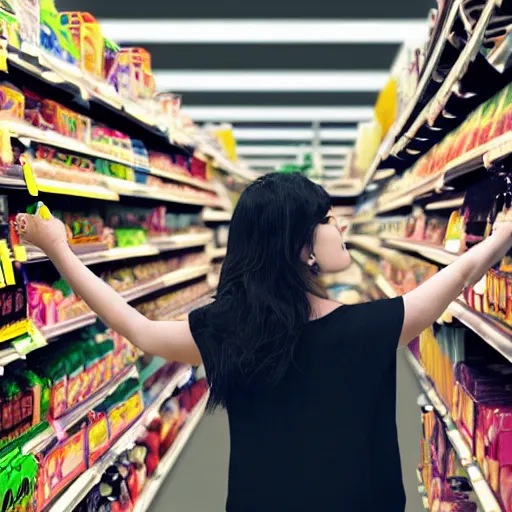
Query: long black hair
x,y
261,304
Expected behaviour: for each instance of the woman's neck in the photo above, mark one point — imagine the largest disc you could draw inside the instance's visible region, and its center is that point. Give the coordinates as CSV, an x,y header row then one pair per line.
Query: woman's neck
x,y
320,306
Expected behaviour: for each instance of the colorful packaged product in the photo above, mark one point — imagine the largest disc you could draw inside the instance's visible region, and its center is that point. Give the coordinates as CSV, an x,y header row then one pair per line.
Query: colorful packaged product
x,y
21,404
13,309
98,439
18,475
47,114
12,101
87,36
28,14
59,465
56,39
9,24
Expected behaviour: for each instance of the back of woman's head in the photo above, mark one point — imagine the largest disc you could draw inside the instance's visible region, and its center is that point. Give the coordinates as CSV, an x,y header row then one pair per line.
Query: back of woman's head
x,y
261,304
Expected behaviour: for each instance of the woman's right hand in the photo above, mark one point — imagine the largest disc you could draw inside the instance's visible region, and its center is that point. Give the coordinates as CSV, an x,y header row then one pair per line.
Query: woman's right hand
x,y
503,229
49,235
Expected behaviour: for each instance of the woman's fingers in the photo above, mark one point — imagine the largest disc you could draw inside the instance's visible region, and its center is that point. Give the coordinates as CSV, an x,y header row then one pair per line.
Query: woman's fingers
x,y
21,223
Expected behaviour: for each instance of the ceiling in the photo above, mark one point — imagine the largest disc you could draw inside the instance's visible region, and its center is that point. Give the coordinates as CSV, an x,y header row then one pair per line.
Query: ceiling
x,y
272,68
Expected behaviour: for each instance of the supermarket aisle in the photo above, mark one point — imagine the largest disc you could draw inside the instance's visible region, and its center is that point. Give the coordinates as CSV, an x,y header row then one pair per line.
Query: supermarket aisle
x,y
198,481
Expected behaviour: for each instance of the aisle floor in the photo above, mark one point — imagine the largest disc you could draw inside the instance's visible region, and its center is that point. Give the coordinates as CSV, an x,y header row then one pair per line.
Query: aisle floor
x,y
198,481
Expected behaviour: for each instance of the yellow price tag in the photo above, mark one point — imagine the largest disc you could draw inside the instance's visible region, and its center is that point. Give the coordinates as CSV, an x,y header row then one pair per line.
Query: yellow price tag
x,y
44,212
30,179
20,253
3,55
5,146
5,258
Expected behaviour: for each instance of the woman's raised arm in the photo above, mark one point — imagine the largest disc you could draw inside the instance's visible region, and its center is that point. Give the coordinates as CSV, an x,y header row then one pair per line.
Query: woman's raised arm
x,y
171,340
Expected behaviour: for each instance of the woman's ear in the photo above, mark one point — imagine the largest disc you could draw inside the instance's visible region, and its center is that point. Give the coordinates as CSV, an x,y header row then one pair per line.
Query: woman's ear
x,y
307,256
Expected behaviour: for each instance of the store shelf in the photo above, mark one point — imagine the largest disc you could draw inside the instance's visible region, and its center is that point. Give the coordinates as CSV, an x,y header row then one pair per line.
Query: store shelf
x,y
457,71
210,215
180,241
169,459
431,111
173,313
427,71
422,490
482,156
182,178
53,331
133,189
155,246
385,287
62,188
496,335
366,242
446,204
429,251
358,257
481,488
78,490
27,134
395,204
217,253
7,356
345,187
61,425
172,278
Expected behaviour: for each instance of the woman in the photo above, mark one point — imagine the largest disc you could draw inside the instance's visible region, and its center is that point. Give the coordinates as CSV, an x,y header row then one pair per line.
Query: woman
x,y
309,384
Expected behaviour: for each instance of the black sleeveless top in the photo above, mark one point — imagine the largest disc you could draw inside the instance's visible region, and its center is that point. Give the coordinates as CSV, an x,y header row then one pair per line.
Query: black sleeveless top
x,y
324,438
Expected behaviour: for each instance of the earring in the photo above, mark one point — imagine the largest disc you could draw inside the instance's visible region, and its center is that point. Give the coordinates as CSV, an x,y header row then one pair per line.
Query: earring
x,y
315,269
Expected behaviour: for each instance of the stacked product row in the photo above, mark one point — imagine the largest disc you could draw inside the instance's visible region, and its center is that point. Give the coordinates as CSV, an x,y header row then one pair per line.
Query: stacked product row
x,y
87,422
445,141
69,52
474,383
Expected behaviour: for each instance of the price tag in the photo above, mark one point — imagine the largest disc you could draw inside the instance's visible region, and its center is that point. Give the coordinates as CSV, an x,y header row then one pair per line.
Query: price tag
x,y
5,145
5,258
33,341
30,179
20,253
3,55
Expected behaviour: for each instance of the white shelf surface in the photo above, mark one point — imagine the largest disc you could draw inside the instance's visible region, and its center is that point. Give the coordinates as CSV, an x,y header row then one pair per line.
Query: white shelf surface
x,y
169,459
77,413
155,246
422,490
217,253
385,287
430,251
497,336
429,68
366,242
180,241
210,215
52,331
172,278
69,499
481,487
484,155
140,190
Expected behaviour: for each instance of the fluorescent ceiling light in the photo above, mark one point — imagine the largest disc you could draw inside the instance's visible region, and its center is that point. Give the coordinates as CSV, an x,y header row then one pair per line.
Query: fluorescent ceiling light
x,y
298,134
276,162
271,81
264,31
290,150
279,114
